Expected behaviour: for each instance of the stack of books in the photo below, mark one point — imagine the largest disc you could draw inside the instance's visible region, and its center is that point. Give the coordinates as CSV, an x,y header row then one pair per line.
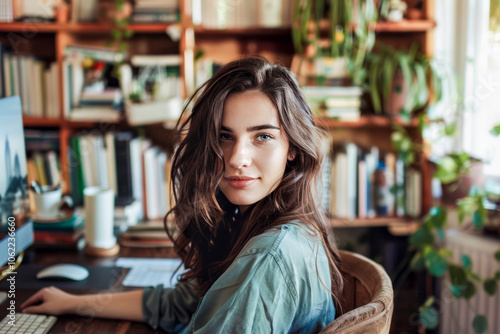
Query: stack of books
x,y
156,11
337,102
151,234
91,93
59,231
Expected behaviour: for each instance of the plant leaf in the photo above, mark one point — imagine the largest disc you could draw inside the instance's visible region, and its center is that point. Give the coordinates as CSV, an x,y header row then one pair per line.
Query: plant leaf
x,y
438,217
466,261
417,262
436,263
497,275
447,170
469,290
422,92
457,275
496,130
490,286
421,237
429,317
477,219
497,255
480,324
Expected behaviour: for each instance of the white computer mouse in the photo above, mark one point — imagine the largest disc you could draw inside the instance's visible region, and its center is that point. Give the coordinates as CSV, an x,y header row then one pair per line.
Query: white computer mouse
x,y
64,271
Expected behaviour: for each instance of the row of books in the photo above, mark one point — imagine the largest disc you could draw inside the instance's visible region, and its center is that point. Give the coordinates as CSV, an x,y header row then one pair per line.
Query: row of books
x,y
223,14
35,81
132,166
366,184
15,10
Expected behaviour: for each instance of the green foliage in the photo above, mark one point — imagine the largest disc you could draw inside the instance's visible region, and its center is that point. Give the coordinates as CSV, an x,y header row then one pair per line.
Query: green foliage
x,y
472,205
451,167
480,324
417,70
402,143
344,39
497,255
119,34
490,286
496,130
429,317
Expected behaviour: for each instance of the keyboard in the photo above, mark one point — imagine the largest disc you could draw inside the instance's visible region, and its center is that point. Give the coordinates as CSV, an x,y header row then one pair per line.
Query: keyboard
x,y
27,324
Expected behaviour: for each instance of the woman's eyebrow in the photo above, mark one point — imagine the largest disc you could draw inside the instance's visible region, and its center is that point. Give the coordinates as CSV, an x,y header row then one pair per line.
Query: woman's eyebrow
x,y
253,128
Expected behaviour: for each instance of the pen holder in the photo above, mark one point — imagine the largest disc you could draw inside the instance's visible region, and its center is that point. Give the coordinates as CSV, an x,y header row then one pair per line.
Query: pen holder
x,y
47,203
99,208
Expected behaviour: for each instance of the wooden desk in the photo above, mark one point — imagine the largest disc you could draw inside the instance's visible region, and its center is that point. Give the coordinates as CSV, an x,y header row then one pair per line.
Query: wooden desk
x,y
76,324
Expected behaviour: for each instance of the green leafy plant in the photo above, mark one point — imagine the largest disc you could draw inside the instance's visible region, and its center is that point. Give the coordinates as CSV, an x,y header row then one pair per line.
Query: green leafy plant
x,y
417,70
452,166
344,39
426,250
120,34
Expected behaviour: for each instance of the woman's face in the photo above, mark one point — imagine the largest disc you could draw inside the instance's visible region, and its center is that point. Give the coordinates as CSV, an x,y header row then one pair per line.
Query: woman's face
x,y
255,148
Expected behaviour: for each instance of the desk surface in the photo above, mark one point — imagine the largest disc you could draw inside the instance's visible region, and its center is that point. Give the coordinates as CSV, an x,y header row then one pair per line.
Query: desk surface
x,y
76,324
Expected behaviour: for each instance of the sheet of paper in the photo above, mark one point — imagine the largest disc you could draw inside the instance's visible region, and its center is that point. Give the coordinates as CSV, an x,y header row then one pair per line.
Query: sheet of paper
x,y
149,271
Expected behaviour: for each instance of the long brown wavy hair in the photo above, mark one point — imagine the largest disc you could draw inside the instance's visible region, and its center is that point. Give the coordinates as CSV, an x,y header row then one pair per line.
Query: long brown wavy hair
x,y
210,232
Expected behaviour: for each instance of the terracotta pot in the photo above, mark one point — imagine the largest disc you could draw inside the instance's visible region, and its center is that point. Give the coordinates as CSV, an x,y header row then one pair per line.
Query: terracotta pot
x,y
62,14
396,100
108,12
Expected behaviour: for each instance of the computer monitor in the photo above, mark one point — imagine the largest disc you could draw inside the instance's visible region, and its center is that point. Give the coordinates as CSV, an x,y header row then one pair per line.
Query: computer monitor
x,y
16,229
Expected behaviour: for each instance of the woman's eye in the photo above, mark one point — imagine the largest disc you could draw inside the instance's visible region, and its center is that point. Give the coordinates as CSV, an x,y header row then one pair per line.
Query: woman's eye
x,y
225,136
264,137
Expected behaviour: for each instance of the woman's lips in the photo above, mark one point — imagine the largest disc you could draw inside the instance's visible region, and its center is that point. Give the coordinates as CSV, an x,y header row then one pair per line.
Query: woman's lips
x,y
241,182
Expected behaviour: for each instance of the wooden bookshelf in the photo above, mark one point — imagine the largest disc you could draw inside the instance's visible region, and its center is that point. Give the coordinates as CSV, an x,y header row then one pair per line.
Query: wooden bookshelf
x,y
49,40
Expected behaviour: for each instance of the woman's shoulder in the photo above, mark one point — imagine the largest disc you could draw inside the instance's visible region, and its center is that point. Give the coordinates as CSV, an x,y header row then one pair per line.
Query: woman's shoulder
x,y
287,238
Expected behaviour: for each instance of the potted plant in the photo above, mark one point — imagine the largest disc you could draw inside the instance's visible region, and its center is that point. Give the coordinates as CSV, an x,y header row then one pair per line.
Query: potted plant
x,y
333,37
398,81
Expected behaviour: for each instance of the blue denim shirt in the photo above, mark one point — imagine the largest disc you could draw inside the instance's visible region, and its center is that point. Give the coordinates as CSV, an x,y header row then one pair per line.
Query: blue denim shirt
x,y
279,283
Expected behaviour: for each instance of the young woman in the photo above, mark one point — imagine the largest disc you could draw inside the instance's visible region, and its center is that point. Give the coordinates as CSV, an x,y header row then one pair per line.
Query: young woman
x,y
259,251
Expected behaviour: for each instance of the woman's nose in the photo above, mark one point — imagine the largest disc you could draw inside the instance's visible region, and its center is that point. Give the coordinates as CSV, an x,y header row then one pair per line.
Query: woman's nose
x,y
240,155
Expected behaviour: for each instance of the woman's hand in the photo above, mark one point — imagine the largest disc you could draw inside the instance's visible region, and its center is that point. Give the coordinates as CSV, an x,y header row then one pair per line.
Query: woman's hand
x,y
50,301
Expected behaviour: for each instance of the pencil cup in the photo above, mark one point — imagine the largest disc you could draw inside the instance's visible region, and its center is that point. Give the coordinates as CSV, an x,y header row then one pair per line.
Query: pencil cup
x,y
99,208
47,202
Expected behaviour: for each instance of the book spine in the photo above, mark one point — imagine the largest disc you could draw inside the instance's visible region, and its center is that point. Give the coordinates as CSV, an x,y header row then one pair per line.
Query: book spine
x,y
123,166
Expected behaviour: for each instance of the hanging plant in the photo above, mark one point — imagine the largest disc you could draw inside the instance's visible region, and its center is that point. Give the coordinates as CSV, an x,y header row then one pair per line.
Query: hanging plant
x,y
120,33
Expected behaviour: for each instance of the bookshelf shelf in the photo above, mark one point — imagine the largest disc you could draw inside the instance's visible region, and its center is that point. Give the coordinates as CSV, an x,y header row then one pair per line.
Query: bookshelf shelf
x,y
397,225
405,26
200,31
80,28
41,122
369,121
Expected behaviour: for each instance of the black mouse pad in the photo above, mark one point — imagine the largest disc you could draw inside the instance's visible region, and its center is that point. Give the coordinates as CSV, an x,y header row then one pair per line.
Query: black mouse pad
x,y
99,278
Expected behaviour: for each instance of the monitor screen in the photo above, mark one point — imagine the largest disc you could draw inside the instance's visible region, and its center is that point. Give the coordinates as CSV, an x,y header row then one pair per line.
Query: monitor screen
x,y
14,199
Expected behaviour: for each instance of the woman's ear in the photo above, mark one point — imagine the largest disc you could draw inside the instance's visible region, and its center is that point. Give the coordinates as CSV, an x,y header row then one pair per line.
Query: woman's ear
x,y
291,155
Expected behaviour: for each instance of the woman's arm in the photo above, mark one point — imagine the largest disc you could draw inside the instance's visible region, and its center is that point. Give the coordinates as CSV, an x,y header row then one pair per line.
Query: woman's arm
x,y
121,305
